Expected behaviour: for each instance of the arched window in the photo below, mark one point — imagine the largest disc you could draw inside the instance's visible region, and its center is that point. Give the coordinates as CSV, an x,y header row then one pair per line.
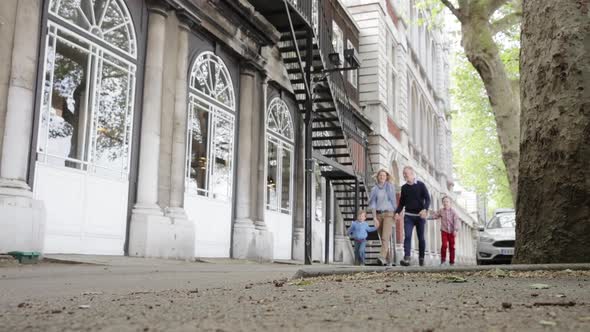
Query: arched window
x,y
89,87
279,157
414,115
211,128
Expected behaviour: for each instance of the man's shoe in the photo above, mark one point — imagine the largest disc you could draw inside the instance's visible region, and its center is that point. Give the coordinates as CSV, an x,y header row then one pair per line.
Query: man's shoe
x,y
405,261
443,263
421,261
381,261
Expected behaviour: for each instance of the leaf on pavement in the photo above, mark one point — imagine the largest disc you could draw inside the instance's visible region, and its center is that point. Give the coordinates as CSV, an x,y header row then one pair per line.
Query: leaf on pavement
x,y
539,286
547,323
455,279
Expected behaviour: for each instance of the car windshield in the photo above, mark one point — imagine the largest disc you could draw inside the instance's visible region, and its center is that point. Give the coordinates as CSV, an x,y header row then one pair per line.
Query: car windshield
x,y
503,221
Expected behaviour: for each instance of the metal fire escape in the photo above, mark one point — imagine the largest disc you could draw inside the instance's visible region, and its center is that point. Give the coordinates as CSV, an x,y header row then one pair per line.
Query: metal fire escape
x,y
336,135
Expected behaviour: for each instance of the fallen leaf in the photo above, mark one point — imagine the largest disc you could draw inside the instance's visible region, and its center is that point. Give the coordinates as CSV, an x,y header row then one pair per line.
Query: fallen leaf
x,y
278,283
584,319
455,279
84,306
547,323
506,305
560,295
539,286
301,290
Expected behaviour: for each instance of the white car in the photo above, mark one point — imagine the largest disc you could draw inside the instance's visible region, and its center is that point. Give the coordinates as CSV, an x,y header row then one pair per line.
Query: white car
x,y
496,240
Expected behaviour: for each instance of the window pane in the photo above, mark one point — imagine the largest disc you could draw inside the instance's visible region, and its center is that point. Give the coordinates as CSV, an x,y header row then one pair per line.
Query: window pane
x,y
286,181
198,155
111,123
222,156
68,114
272,176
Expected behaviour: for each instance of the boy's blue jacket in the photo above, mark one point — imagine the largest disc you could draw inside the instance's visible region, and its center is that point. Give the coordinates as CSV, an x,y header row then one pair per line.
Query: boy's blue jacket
x,y
359,230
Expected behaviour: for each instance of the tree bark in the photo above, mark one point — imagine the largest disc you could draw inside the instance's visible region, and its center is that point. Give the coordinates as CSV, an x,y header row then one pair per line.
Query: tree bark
x,y
553,206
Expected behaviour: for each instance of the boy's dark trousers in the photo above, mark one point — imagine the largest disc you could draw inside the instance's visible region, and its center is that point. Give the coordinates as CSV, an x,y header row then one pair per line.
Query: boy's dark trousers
x,y
409,223
359,251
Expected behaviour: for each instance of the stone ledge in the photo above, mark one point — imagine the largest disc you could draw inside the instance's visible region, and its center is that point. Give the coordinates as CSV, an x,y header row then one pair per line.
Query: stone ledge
x,y
327,271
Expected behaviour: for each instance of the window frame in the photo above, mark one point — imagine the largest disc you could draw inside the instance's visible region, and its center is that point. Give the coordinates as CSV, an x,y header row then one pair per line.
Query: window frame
x,y
100,54
283,143
218,111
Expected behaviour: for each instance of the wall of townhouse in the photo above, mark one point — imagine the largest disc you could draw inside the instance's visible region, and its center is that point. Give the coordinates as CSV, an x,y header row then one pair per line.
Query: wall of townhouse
x,y
427,74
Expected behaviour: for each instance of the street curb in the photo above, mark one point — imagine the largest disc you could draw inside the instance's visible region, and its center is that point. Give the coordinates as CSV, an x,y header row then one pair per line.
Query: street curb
x,y
311,272
67,261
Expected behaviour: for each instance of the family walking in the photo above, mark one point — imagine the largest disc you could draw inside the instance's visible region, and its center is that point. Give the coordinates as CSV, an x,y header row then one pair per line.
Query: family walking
x,y
413,207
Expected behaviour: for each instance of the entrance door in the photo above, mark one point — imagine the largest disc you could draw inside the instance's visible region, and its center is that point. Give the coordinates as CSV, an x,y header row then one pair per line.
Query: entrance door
x,y
85,125
210,155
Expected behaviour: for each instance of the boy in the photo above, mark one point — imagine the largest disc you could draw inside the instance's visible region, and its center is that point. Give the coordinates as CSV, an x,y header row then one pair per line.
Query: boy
x,y
449,226
358,231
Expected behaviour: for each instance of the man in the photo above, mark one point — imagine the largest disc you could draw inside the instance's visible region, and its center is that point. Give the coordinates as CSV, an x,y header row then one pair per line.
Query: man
x,y
416,200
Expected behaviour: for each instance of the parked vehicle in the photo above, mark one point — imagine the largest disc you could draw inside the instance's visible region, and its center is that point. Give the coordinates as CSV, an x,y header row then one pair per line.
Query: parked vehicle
x,y
496,240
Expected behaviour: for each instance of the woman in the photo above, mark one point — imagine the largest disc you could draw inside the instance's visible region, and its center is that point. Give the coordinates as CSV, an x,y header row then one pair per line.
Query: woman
x,y
383,203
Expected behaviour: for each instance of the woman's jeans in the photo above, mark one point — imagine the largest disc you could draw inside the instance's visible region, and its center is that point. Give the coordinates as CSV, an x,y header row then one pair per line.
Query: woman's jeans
x,y
359,251
409,223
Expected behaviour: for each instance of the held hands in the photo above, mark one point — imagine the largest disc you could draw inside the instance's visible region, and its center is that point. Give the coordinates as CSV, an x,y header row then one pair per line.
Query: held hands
x,y
423,214
397,217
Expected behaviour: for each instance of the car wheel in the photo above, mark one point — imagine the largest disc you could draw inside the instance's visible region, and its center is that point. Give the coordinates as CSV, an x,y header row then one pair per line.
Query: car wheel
x,y
480,262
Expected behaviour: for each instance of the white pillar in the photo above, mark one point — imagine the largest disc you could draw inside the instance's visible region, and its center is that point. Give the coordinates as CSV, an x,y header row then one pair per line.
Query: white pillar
x,y
243,233
298,249
259,160
180,123
147,185
22,219
20,101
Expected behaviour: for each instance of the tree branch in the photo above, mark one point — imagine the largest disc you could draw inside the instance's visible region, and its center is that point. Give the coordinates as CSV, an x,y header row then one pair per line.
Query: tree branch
x,y
495,5
453,10
506,22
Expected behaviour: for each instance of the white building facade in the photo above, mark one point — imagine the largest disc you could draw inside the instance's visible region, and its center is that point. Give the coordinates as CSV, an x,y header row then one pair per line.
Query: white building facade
x,y
404,91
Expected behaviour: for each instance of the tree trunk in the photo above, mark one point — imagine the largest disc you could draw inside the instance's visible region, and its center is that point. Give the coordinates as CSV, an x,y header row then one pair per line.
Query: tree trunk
x,y
553,206
483,53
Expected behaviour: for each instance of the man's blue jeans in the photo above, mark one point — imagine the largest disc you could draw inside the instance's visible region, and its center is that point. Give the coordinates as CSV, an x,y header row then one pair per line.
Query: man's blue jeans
x,y
409,223
359,251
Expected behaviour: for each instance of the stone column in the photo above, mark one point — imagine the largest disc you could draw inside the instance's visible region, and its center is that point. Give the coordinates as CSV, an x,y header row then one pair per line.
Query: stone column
x,y
180,122
243,232
22,219
298,227
259,159
20,101
263,237
150,234
147,186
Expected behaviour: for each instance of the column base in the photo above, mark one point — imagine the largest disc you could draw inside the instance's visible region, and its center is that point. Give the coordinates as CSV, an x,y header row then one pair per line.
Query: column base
x,y
263,246
243,238
252,242
298,244
156,235
15,188
343,251
22,220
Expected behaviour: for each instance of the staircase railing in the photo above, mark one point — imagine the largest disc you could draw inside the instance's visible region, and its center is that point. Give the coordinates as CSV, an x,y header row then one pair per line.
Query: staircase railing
x,y
340,94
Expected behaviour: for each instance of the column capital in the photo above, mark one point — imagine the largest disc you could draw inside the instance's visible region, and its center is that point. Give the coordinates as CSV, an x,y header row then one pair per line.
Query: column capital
x,y
187,20
248,68
158,7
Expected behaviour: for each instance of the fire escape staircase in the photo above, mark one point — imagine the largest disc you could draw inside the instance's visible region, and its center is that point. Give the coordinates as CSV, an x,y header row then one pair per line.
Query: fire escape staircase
x,y
339,134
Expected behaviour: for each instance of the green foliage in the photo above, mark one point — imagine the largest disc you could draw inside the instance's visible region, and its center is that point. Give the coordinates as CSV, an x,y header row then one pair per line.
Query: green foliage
x,y
476,150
